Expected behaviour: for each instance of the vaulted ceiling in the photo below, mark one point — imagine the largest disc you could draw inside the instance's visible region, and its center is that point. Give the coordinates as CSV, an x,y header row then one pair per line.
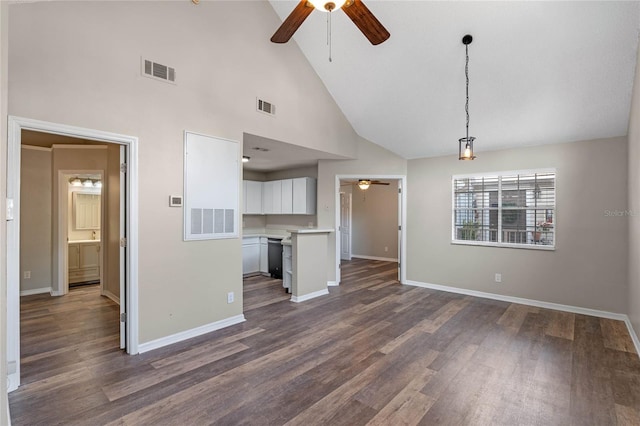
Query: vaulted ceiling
x,y
540,72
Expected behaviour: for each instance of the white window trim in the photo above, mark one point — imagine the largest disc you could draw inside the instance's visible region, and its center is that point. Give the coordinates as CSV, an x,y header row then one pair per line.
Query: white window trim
x,y
500,175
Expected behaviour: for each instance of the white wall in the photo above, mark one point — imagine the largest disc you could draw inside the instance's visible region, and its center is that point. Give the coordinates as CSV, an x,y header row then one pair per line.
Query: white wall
x,y
589,266
35,218
223,60
633,296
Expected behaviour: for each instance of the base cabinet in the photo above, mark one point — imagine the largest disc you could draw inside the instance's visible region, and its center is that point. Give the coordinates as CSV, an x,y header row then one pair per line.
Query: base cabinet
x,y
84,262
250,255
287,267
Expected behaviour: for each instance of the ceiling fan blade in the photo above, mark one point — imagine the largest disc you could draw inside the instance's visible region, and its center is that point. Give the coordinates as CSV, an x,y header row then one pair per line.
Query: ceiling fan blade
x,y
292,23
379,183
366,21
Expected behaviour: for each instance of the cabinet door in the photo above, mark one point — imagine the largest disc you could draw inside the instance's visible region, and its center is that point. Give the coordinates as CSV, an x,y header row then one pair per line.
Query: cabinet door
x,y
264,256
254,197
304,196
89,255
273,197
287,196
74,256
250,258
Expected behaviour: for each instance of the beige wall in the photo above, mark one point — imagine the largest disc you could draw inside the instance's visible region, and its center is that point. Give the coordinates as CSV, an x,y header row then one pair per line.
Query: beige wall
x,y
588,267
374,221
633,296
35,218
4,39
371,160
221,67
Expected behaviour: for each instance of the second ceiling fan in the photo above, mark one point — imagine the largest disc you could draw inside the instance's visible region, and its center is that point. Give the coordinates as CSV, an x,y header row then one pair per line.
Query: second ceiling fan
x,y
360,14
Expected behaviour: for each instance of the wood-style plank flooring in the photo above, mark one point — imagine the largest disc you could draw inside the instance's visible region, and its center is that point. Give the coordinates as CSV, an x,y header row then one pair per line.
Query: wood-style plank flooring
x,y
371,352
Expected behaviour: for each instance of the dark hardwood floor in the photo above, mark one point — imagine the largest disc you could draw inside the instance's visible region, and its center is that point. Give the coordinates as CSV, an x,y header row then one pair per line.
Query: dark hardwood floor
x,y
371,352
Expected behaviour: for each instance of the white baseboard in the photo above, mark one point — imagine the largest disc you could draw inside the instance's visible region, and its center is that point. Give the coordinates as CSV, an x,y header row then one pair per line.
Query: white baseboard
x,y
523,301
634,336
57,293
298,299
188,334
111,296
331,283
384,259
35,291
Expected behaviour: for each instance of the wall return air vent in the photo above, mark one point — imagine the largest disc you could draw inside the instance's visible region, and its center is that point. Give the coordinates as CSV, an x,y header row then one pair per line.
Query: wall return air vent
x,y
158,71
266,107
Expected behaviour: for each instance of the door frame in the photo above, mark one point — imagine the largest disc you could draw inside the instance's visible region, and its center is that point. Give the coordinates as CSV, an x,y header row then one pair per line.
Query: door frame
x,y
402,218
61,286
15,127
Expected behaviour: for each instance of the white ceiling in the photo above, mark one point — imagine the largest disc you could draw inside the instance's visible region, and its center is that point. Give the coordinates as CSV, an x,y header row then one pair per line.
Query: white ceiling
x,y
273,155
540,72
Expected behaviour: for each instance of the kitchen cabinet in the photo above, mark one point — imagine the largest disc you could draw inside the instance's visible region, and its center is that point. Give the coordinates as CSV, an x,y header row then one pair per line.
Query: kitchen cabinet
x,y
252,196
304,196
250,255
84,261
264,256
287,196
272,194
287,265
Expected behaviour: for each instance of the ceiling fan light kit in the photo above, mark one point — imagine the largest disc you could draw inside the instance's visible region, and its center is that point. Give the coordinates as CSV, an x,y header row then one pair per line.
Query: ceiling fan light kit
x,y
356,10
465,145
364,184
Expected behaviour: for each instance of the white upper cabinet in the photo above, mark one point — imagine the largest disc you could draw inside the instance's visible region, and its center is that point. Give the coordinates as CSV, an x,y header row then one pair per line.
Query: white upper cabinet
x,y
272,195
252,197
304,195
287,196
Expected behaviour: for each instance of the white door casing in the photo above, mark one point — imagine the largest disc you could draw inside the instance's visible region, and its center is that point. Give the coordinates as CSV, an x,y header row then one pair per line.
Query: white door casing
x,y
16,125
402,217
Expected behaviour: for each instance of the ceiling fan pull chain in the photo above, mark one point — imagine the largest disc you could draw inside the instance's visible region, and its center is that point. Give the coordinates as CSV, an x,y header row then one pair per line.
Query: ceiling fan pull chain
x,y
329,33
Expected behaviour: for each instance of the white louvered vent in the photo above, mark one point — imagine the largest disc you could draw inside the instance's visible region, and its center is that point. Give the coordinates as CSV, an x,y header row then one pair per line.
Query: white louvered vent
x,y
158,71
266,107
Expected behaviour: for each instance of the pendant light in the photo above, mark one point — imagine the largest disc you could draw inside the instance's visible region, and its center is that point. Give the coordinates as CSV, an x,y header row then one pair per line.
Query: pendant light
x,y
465,145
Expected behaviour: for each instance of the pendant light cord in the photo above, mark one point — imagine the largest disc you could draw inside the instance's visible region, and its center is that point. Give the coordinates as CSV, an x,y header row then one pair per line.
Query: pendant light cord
x,y
466,74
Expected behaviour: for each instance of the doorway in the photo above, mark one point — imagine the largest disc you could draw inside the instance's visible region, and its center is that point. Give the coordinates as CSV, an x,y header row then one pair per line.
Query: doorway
x,y
345,213
127,154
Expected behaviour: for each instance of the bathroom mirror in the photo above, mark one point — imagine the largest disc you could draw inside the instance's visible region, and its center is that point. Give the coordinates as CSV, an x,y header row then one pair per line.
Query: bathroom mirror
x,y
86,210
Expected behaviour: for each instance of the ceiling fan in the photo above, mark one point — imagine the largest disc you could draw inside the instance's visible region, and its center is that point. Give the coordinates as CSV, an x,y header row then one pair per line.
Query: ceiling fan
x,y
365,183
355,10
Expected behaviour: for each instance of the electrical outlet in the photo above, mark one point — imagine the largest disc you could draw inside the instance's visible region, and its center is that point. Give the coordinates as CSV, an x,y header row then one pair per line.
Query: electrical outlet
x,y
230,297
27,275
498,278
386,249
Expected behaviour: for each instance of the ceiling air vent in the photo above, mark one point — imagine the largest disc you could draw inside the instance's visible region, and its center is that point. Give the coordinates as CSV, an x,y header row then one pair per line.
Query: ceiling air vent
x,y
266,107
158,71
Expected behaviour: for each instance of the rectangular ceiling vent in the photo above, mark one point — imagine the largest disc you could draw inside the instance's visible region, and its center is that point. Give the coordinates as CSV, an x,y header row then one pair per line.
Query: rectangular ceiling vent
x,y
266,107
158,71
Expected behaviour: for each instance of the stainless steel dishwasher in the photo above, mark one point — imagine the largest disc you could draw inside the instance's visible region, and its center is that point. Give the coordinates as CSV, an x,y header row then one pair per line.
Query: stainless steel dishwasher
x,y
275,257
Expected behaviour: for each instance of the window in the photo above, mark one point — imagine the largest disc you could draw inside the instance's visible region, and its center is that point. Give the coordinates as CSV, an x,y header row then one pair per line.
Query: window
x,y
511,209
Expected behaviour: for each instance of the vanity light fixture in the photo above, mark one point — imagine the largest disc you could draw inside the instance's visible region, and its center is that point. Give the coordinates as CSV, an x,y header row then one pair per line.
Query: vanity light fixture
x,y
75,182
97,184
88,183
